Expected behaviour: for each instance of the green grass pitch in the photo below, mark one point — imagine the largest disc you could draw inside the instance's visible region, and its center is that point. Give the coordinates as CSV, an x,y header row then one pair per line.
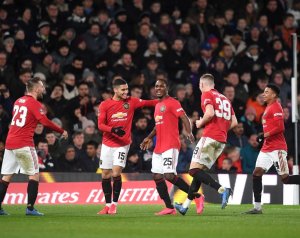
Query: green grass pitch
x,y
136,221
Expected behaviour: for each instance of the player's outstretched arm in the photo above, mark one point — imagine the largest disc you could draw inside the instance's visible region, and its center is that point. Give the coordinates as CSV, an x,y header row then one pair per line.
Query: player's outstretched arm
x,y
47,123
145,145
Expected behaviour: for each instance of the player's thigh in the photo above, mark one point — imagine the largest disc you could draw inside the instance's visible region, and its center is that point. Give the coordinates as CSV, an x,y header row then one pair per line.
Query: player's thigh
x,y
157,164
170,160
279,160
106,157
207,151
28,160
10,164
264,161
120,156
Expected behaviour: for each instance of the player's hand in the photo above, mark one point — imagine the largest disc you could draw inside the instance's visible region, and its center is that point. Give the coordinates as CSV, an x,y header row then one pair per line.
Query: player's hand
x,y
191,137
145,145
260,139
65,135
198,123
118,131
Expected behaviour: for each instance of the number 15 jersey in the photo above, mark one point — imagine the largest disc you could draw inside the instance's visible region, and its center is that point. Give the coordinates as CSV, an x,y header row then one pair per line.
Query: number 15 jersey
x,y
218,127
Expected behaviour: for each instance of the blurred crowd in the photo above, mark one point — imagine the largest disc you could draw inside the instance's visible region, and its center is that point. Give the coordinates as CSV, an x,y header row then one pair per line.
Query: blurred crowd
x,y
79,47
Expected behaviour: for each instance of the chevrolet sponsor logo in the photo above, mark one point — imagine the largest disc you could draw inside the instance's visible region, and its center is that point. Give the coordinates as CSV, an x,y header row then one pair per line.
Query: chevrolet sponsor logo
x,y
119,115
158,118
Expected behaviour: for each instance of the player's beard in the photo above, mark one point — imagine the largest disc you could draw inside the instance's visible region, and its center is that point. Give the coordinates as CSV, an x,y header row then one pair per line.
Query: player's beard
x,y
40,96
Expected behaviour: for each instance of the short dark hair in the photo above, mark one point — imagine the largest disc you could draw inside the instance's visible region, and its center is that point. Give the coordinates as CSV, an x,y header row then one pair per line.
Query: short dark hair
x,y
33,82
58,85
164,80
274,88
43,140
92,143
118,81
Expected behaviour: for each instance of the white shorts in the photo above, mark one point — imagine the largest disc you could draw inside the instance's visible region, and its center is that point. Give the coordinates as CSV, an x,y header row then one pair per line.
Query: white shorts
x,y
165,162
111,156
277,158
207,151
24,159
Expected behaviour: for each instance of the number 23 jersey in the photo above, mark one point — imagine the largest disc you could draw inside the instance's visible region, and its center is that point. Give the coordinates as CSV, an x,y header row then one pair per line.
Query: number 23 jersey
x,y
27,113
218,127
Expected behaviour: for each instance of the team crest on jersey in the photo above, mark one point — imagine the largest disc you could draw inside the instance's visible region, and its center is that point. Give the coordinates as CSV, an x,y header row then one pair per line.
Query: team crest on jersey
x,y
126,105
162,108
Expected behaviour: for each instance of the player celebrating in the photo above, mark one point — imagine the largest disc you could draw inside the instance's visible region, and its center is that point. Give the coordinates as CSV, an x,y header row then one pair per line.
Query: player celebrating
x,y
274,149
20,153
218,118
115,119
165,156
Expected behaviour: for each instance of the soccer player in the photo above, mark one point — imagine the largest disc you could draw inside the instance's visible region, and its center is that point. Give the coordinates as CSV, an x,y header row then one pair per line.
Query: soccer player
x,y
274,149
165,156
115,119
20,153
218,118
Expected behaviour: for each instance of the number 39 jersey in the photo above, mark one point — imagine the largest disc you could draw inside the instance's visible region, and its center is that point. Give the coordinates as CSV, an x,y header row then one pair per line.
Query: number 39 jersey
x,y
27,113
218,127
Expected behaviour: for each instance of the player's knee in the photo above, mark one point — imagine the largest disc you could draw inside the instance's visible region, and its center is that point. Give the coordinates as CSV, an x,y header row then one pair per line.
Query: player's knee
x,y
157,177
7,178
258,172
192,172
169,177
285,179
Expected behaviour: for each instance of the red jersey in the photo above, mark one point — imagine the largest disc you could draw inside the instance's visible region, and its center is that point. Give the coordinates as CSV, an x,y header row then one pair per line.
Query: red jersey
x,y
114,113
27,113
166,116
273,122
218,127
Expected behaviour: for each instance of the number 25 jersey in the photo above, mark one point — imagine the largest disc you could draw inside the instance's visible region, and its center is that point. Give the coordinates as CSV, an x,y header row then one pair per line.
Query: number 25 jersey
x,y
218,127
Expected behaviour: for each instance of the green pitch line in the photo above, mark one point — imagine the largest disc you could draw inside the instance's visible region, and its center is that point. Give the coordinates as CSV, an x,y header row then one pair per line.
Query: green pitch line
x,y
77,221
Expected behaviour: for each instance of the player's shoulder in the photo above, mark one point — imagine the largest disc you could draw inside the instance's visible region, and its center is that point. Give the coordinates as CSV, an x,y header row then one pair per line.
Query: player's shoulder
x,y
131,99
171,100
28,101
276,107
107,101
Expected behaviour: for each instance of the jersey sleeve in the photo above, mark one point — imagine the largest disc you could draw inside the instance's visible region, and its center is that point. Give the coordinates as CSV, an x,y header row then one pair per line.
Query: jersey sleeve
x,y
177,108
40,115
102,119
144,103
277,113
206,99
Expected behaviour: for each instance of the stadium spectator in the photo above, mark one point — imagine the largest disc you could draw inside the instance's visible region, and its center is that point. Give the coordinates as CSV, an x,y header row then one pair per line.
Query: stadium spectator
x,y
249,154
90,163
227,167
45,161
184,157
55,145
57,103
69,162
236,137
